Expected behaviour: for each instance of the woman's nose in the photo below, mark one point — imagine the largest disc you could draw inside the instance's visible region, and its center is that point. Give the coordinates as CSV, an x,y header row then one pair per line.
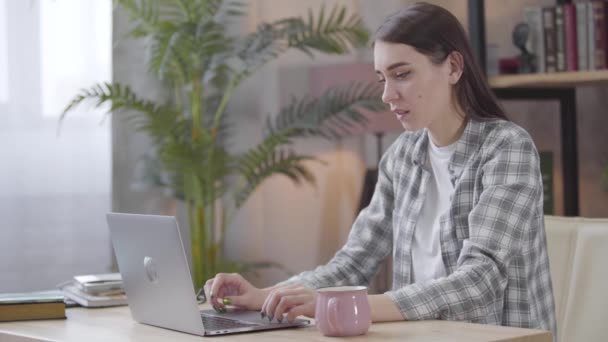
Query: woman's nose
x,y
389,94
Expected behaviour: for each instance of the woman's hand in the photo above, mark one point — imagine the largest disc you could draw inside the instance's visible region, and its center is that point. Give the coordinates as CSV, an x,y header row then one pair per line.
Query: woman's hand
x,y
232,289
289,303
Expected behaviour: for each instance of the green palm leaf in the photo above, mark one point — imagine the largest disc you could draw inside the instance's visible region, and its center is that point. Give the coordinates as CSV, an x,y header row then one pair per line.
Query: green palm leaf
x,y
144,16
158,120
264,161
199,169
218,10
333,115
335,34
259,47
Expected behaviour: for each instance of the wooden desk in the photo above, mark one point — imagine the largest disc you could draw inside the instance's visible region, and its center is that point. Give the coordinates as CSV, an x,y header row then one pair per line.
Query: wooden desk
x,y
116,325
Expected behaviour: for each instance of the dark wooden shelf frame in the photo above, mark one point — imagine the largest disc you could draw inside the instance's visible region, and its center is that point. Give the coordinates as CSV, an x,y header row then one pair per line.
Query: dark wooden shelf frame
x,y
565,94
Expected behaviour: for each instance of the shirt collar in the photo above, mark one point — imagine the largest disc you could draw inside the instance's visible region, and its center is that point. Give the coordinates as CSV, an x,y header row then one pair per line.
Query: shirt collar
x,y
468,142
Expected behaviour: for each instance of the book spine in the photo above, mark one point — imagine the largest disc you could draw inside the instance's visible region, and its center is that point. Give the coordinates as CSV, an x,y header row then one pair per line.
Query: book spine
x,y
546,170
599,23
19,312
582,36
590,37
571,38
533,16
550,39
561,38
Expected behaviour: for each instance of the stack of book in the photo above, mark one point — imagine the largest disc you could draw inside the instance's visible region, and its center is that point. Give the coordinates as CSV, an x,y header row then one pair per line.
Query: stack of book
x,y
31,305
95,290
569,36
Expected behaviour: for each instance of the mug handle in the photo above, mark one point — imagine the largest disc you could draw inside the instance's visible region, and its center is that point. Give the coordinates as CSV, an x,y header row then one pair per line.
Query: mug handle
x,y
332,310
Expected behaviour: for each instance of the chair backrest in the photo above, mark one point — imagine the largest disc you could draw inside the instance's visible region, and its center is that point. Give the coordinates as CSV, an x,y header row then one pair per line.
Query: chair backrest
x,y
578,253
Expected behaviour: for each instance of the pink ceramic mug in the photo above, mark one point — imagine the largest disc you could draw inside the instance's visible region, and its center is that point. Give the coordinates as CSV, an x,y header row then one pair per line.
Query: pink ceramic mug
x,y
343,311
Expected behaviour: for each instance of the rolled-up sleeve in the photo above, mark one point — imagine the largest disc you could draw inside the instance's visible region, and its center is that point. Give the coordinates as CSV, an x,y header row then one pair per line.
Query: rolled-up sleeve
x,y
369,241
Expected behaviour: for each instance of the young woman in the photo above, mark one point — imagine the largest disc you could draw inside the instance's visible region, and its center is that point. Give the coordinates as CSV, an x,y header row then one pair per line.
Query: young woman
x,y
458,203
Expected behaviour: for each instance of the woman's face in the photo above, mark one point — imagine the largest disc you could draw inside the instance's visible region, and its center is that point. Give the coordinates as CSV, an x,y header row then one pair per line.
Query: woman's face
x,y
418,91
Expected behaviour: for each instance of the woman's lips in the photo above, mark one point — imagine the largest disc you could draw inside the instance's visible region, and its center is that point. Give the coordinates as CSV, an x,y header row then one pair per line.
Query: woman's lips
x,y
401,113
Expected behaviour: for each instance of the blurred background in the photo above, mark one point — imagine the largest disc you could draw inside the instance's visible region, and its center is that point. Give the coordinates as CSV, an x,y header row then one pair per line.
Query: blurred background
x,y
58,181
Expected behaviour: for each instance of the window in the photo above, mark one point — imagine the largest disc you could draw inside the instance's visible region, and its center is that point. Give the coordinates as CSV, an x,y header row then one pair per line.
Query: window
x,y
3,55
75,48
55,187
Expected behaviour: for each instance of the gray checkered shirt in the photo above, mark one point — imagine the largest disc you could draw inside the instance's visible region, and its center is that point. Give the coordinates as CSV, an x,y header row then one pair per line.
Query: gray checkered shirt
x,y
492,237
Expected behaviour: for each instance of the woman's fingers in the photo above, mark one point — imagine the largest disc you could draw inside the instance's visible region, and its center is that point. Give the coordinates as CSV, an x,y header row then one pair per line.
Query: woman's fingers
x,y
231,289
217,289
271,301
283,299
207,287
210,295
288,302
306,309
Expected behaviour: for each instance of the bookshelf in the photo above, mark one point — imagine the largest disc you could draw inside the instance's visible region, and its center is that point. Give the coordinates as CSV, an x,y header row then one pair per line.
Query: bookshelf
x,y
541,87
551,80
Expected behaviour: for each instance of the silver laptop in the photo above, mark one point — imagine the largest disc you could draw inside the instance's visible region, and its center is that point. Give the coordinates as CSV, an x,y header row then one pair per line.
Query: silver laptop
x,y
158,284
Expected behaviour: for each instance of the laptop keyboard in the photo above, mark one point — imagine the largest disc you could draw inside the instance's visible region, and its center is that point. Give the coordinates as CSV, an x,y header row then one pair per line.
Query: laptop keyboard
x,y
221,323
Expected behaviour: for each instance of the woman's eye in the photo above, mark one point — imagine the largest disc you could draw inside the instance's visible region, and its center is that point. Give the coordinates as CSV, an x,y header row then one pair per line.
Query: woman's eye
x,y
381,81
401,75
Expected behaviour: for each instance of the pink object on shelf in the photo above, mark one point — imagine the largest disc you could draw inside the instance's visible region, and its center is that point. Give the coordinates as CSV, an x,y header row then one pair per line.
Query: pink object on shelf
x,y
323,77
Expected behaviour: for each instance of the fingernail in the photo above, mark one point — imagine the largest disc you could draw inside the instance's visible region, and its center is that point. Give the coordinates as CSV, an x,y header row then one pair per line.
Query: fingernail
x,y
223,309
227,301
262,314
280,320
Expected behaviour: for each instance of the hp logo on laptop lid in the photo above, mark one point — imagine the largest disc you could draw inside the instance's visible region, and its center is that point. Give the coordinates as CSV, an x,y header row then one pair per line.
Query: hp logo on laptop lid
x,y
150,267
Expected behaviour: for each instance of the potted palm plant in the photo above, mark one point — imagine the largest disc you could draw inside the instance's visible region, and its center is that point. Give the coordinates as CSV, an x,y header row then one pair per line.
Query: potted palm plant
x,y
192,52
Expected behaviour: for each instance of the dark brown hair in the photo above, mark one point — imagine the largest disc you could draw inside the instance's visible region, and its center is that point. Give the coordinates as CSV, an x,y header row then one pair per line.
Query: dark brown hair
x,y
436,33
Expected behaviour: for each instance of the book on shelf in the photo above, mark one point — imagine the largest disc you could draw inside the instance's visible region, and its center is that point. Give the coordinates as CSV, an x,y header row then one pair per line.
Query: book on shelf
x,y
550,38
32,305
546,170
599,23
560,39
582,34
573,36
570,37
590,37
533,16
110,298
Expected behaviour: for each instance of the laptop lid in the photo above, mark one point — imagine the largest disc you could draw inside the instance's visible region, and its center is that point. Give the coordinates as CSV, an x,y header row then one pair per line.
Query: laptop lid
x,y
155,271
157,280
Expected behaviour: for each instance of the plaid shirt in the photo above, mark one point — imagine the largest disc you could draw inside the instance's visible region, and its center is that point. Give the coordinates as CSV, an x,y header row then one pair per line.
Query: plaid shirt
x,y
492,237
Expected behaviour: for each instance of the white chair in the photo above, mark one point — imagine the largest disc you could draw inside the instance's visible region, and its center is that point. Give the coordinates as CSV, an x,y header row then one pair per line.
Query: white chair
x,y
578,253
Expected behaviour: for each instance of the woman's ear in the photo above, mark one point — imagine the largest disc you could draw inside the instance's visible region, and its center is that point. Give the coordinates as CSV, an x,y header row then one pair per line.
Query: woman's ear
x,y
456,64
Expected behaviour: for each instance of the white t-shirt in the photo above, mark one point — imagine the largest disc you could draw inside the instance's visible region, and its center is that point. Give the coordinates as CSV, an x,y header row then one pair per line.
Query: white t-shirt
x,y
427,263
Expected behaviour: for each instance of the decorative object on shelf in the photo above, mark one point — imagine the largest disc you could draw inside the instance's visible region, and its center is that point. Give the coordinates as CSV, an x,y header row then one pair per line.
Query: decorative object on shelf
x,y
508,65
192,51
527,60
